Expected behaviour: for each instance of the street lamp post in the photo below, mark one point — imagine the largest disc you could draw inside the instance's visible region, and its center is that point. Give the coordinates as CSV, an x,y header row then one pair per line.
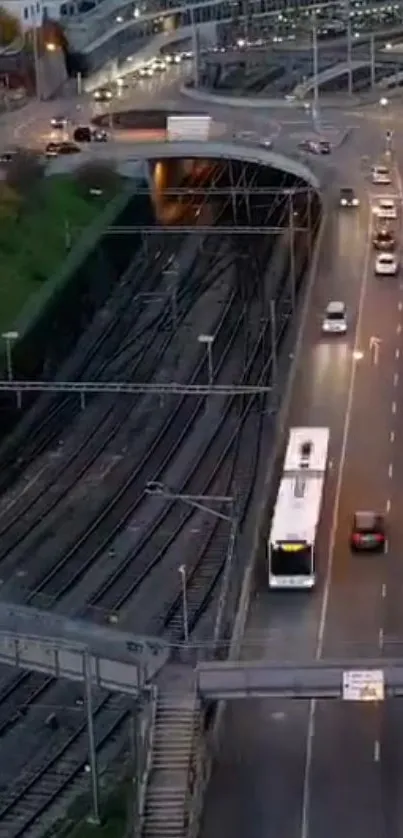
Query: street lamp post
x,y
204,503
10,338
349,51
171,277
208,341
372,60
291,225
315,67
183,576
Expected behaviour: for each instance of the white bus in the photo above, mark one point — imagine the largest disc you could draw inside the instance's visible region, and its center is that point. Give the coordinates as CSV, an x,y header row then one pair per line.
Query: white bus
x,y
291,545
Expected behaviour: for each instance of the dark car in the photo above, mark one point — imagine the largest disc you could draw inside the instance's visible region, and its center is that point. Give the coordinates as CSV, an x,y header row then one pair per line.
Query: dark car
x,y
384,239
59,123
348,197
68,148
324,147
7,157
86,134
52,149
368,531
103,94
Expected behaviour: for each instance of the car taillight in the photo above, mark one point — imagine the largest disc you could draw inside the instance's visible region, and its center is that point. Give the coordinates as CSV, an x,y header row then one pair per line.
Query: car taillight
x,y
357,537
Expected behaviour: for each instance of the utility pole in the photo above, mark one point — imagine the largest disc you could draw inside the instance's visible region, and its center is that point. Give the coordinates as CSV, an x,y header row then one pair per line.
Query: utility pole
x,y
291,225
185,610
95,817
208,341
372,60
196,50
171,277
273,342
315,66
203,503
349,51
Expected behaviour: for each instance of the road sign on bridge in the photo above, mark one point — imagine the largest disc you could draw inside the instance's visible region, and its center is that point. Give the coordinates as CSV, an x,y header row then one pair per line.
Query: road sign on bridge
x,y
363,685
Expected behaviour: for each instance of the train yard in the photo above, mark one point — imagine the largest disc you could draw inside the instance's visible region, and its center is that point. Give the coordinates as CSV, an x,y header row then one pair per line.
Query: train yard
x,y
79,531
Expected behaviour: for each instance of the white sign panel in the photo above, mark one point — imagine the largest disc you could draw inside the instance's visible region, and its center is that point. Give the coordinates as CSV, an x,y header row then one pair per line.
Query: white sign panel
x,y
188,127
363,685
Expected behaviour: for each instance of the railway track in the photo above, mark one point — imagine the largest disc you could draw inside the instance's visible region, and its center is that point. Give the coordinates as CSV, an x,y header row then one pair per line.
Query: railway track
x,y
96,434
40,790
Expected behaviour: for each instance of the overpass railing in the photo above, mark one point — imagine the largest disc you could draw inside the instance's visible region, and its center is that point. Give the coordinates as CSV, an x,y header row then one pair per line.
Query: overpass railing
x,y
349,679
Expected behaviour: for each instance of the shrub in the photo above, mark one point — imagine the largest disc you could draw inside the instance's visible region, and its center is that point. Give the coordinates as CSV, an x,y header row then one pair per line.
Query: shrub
x,y
24,172
97,178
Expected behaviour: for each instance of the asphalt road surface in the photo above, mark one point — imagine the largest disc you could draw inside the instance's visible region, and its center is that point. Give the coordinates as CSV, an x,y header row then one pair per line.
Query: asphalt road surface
x,y
299,769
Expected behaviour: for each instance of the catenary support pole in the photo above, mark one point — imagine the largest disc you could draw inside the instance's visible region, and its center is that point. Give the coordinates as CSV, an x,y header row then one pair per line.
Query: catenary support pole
x,y
292,250
95,817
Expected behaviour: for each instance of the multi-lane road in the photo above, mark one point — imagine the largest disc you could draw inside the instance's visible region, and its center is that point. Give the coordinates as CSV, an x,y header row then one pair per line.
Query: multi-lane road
x,y
302,770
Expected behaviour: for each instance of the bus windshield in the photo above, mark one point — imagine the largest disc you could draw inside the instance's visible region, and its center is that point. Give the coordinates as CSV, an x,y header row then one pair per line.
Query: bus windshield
x,y
291,560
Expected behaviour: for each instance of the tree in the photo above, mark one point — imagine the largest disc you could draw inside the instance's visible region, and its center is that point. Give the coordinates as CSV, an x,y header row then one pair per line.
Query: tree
x,y
24,172
10,203
97,178
10,28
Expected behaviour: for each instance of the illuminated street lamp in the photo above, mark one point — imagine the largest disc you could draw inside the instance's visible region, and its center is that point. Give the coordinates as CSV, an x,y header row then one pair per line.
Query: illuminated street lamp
x,y
384,102
51,47
9,338
208,341
183,576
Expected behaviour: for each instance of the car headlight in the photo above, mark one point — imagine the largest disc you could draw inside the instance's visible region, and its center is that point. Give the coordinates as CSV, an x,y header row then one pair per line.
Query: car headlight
x,y
356,202
343,202
325,326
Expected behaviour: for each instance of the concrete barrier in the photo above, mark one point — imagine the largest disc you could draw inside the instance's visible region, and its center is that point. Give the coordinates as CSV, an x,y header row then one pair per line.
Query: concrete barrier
x,y
237,101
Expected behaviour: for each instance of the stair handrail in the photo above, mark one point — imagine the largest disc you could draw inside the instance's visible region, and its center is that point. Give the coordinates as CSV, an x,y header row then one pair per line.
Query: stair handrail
x,y
192,754
149,751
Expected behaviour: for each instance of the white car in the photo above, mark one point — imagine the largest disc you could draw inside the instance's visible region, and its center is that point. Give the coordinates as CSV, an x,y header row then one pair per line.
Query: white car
x,y
386,264
335,320
381,175
386,209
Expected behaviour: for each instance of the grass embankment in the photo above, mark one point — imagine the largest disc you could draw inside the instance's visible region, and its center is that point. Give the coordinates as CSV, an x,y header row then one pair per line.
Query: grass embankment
x,y
34,242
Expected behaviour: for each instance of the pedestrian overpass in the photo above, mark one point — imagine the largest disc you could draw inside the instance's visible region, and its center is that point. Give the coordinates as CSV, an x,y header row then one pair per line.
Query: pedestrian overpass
x,y
349,679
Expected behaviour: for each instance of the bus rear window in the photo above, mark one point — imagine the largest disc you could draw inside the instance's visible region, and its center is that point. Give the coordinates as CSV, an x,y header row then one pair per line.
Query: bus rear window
x,y
294,561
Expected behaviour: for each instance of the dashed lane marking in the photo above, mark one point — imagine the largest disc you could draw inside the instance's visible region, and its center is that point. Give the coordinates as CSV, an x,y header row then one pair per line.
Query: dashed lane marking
x,y
392,436
390,470
383,591
380,638
398,328
397,354
393,407
388,505
377,751
395,379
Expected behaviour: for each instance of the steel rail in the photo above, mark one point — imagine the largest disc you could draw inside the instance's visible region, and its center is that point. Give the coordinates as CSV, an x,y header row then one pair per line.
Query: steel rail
x,y
95,439
47,803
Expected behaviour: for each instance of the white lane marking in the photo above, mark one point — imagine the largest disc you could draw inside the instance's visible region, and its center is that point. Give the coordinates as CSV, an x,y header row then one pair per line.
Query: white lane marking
x,y
400,306
398,328
397,354
388,505
380,638
333,531
377,750
395,379
386,548
392,436
384,591
390,470
393,407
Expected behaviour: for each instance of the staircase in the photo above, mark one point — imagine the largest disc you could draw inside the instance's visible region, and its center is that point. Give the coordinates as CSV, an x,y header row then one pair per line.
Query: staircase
x,y
165,812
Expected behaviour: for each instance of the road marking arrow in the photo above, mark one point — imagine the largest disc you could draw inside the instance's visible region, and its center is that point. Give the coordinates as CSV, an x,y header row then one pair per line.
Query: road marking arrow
x,y
374,347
